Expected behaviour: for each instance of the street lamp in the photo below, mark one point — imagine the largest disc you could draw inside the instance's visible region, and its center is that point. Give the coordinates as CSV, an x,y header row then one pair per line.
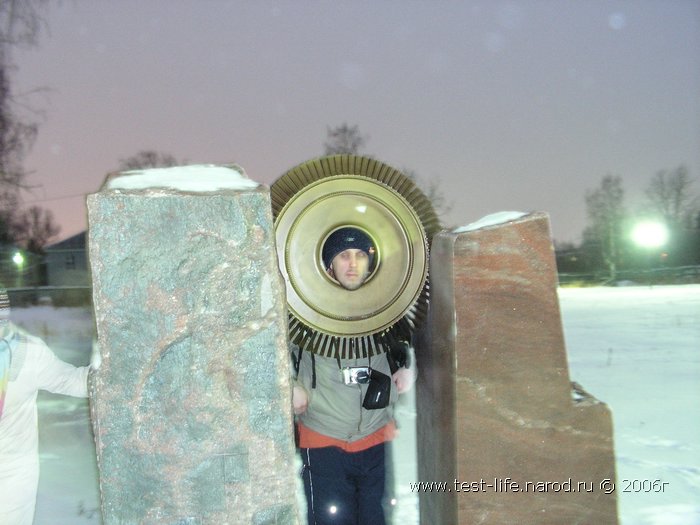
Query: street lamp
x,y
18,259
650,234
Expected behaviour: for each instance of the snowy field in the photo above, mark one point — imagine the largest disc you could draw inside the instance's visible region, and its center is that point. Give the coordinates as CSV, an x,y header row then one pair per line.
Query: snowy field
x,y
636,348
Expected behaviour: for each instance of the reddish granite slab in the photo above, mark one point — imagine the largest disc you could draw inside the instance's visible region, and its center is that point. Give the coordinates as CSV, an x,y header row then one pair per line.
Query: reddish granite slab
x,y
496,414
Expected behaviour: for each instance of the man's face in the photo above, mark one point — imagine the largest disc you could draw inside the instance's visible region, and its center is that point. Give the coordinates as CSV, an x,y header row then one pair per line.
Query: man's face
x,y
350,268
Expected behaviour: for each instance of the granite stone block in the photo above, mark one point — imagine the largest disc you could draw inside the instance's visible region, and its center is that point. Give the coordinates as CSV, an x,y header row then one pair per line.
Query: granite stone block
x,y
191,406
494,397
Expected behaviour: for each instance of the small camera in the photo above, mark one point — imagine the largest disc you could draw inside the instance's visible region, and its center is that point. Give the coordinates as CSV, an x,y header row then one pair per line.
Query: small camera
x,y
356,375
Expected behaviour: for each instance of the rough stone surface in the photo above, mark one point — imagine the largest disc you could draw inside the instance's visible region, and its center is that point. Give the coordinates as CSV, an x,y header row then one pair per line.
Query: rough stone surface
x,y
191,406
494,396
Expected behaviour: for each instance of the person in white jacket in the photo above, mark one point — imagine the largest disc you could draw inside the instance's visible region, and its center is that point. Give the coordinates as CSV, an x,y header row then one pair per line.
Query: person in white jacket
x,y
33,367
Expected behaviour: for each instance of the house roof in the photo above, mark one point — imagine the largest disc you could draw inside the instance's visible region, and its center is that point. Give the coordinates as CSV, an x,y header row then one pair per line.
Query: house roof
x,y
76,242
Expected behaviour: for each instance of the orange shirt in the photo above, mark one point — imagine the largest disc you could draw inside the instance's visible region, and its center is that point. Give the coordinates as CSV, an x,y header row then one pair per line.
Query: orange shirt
x,y
310,439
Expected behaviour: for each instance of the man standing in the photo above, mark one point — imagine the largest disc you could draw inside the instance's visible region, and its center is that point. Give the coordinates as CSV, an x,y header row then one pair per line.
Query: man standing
x,y
344,407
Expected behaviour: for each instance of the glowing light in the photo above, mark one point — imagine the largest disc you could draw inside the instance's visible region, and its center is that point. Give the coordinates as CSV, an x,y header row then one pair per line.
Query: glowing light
x,y
617,21
18,258
650,234
333,509
393,501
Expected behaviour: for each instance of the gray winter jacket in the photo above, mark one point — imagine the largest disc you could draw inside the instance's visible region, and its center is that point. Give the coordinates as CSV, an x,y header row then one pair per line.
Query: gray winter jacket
x,y
335,409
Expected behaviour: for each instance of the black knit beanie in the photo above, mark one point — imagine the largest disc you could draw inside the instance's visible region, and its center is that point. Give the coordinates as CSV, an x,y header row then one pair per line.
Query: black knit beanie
x,y
345,238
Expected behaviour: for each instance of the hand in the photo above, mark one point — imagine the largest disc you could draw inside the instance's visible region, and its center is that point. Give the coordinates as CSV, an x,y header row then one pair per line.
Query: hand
x,y
404,379
95,356
300,400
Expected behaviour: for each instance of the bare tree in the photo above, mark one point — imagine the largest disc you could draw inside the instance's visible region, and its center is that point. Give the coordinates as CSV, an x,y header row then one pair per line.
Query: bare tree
x,y
606,214
20,22
670,196
433,192
6,227
16,138
145,159
19,25
34,229
344,139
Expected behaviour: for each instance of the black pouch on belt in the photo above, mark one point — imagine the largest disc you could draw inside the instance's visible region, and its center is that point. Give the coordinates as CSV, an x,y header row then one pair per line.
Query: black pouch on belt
x,y
378,391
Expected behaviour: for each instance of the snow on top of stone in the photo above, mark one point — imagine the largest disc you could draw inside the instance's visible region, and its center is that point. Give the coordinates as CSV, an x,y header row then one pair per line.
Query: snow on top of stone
x,y
195,178
491,220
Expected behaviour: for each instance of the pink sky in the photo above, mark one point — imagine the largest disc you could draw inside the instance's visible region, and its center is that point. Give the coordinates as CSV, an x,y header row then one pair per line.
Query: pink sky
x,y
511,105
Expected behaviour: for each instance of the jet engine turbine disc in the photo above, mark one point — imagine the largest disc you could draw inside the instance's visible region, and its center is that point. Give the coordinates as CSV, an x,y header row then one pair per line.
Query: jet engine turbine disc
x,y
315,199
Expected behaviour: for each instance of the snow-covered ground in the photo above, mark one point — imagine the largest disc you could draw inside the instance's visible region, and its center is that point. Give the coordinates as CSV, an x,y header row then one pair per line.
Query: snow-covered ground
x,y
636,348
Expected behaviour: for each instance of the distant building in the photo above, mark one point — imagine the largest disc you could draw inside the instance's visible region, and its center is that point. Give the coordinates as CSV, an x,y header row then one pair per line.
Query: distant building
x,y
66,262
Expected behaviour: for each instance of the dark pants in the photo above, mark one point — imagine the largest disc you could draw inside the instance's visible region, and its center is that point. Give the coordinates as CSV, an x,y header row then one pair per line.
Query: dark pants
x,y
344,488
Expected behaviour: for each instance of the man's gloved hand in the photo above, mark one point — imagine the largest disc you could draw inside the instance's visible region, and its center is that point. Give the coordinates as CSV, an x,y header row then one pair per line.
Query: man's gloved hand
x,y
300,400
404,379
